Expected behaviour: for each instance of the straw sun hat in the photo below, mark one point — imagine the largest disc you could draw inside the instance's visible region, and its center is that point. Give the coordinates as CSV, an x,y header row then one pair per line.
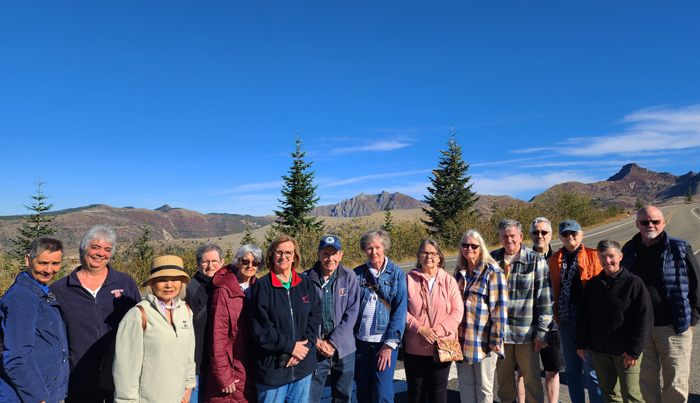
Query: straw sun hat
x,y
167,266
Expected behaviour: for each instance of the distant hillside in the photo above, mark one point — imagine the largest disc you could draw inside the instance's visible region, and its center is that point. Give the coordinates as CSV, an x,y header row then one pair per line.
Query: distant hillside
x,y
165,223
631,182
364,205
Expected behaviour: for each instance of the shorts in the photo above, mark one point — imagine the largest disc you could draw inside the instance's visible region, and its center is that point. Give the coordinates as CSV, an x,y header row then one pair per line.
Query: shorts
x,y
552,358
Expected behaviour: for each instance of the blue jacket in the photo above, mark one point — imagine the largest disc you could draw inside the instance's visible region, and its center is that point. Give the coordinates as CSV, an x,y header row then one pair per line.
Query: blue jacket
x,y
279,318
678,268
345,307
92,322
34,345
392,283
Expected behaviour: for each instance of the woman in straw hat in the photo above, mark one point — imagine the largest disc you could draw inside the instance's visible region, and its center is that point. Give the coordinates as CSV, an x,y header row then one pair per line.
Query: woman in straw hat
x,y
154,350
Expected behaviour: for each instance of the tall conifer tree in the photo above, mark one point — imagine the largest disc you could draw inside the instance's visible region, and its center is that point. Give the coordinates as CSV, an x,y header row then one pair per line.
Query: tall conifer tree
x,y
35,225
450,193
299,196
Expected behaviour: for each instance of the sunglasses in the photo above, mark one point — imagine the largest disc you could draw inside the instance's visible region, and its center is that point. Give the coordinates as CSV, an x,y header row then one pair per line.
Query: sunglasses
x,y
374,287
469,245
567,234
537,233
645,223
246,262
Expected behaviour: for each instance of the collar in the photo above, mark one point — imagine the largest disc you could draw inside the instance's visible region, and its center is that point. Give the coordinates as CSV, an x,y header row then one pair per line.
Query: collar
x,y
73,280
276,282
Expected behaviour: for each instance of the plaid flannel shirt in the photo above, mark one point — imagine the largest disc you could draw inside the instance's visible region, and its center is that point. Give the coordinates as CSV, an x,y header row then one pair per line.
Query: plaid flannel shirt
x,y
529,297
485,311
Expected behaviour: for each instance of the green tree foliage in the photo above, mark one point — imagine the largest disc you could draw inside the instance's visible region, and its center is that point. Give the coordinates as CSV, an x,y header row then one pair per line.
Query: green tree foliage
x,y
450,192
689,195
142,255
35,225
299,196
639,204
388,220
248,237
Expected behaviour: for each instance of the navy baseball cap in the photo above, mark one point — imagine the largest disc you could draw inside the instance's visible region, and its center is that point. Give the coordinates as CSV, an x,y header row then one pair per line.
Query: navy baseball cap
x,y
569,225
329,241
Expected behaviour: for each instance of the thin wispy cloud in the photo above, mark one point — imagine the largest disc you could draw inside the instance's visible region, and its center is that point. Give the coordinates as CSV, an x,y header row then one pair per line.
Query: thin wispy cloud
x,y
252,187
512,184
384,145
374,177
502,162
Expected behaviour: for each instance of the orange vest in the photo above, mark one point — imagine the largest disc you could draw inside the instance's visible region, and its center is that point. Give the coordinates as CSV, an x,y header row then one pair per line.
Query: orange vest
x,y
588,266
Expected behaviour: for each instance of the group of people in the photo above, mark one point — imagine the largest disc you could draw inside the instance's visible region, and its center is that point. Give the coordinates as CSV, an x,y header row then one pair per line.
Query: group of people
x,y
614,319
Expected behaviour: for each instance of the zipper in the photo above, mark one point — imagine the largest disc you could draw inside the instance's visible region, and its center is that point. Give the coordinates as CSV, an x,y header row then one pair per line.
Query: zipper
x,y
291,309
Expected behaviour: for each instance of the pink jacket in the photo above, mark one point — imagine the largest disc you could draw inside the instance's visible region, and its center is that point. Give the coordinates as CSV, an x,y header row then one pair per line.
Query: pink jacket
x,y
446,312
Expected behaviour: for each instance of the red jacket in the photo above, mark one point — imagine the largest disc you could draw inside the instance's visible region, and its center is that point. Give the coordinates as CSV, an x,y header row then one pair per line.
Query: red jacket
x,y
229,351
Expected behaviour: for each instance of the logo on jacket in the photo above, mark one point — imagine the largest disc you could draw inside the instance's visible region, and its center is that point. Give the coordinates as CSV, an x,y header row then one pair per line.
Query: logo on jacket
x,y
304,298
117,293
342,292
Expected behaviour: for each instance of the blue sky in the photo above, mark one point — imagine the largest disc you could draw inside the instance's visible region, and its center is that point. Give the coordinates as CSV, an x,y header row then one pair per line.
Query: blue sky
x,y
197,104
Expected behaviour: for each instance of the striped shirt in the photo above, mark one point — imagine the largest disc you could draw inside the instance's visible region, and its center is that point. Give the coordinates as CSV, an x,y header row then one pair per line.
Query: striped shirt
x,y
529,297
485,311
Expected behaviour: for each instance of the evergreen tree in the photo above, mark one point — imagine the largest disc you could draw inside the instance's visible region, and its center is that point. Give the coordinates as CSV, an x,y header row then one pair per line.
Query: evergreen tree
x,y
143,253
35,225
299,196
638,204
388,220
689,195
450,193
248,237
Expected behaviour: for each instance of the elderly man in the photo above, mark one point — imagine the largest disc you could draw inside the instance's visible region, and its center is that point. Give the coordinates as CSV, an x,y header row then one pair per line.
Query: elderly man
x,y
209,259
94,298
34,347
668,268
570,268
529,313
337,287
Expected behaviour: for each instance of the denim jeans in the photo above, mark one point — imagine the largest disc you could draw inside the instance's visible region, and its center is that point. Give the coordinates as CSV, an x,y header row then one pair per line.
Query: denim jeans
x,y
576,369
342,375
197,395
295,392
373,386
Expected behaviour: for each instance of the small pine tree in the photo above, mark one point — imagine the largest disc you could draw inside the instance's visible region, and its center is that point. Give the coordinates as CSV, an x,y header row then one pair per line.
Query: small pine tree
x,y
35,225
143,254
639,204
299,196
450,193
248,237
388,220
689,195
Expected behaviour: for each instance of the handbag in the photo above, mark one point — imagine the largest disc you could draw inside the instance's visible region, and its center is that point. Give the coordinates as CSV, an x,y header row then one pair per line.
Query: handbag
x,y
446,350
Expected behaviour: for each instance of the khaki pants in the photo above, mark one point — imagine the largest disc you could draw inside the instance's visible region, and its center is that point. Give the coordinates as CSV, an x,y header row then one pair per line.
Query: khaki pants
x,y
609,368
666,354
529,361
476,380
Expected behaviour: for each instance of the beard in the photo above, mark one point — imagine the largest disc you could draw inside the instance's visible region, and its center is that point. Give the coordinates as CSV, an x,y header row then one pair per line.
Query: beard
x,y
651,233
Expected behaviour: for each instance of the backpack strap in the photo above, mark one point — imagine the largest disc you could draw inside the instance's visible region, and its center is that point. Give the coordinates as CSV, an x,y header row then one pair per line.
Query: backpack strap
x,y
143,317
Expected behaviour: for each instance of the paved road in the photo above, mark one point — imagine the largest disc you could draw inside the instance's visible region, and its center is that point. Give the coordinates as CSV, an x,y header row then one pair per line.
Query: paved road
x,y
682,221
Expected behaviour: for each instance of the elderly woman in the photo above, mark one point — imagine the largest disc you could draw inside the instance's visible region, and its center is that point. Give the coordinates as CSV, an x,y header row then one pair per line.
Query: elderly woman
x,y
285,315
570,268
94,298
154,350
481,333
381,320
229,330
435,311
614,323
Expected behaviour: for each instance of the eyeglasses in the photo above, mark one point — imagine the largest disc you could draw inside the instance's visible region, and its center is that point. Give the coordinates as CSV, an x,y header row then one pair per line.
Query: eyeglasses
x,y
280,253
428,254
246,262
470,245
538,233
645,223
207,263
567,234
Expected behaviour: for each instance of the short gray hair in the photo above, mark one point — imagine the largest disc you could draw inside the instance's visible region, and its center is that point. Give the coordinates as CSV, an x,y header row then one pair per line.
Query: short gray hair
x,y
44,243
539,220
434,244
99,231
370,236
607,244
246,249
484,255
207,247
508,223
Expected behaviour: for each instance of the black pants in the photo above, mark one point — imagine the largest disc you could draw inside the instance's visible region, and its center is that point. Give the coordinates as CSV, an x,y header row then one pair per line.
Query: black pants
x,y
92,395
424,376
